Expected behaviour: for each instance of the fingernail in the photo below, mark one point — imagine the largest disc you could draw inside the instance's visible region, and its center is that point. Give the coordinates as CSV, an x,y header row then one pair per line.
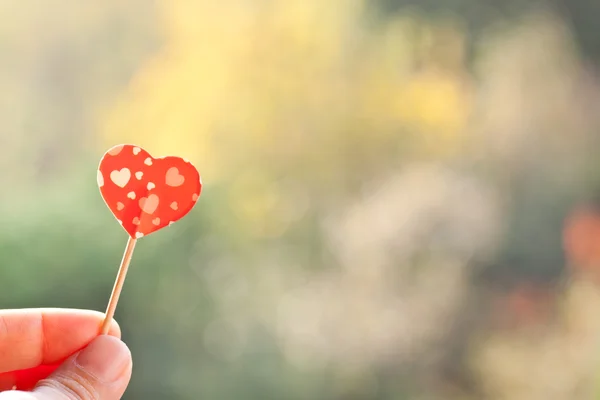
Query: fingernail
x,y
105,358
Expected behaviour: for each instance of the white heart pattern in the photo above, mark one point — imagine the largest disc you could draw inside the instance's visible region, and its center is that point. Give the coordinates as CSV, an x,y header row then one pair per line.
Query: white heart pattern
x,y
173,178
121,178
149,204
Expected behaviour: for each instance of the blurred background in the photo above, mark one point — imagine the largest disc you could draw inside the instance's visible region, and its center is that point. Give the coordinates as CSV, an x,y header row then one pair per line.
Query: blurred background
x,y
401,200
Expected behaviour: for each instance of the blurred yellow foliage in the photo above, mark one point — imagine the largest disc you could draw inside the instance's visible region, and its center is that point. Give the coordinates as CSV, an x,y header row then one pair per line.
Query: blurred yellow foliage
x,y
298,85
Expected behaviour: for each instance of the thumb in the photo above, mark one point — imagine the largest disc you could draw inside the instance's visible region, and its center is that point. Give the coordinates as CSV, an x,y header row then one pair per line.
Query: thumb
x,y
101,371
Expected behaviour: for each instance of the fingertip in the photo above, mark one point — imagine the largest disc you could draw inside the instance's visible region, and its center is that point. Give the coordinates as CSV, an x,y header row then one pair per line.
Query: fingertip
x,y
115,329
101,370
107,358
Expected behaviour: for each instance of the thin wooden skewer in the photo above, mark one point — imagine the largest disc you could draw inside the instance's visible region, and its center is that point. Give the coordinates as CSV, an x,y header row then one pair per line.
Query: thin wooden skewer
x,y
116,292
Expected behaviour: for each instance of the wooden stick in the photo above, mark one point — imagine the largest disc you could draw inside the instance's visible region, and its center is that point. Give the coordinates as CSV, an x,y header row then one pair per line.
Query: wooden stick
x,y
116,292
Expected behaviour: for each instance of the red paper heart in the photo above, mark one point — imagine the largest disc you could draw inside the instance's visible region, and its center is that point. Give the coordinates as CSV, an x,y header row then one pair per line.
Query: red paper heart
x,y
144,193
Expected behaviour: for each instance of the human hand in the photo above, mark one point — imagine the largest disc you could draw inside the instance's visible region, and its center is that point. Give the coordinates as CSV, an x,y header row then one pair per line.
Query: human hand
x,y
56,354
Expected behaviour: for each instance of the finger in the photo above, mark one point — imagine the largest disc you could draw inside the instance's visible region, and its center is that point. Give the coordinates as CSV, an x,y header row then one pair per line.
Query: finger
x,y
32,337
25,379
101,371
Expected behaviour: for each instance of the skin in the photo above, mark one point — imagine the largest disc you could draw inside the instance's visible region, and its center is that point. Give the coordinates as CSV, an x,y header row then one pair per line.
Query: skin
x,y
57,354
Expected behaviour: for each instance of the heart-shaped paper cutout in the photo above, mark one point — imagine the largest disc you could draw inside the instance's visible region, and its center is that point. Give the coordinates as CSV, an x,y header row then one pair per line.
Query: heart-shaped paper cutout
x,y
144,193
